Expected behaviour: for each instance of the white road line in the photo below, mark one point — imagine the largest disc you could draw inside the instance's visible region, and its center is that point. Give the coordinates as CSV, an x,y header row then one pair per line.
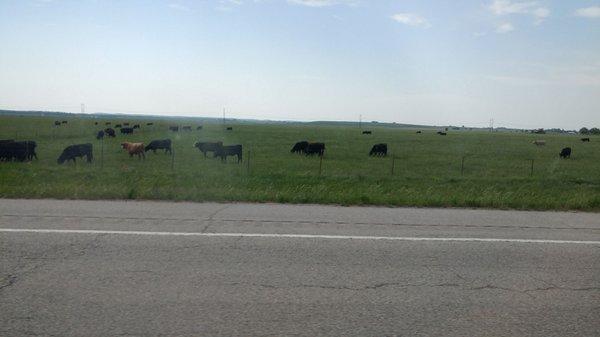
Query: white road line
x,y
291,236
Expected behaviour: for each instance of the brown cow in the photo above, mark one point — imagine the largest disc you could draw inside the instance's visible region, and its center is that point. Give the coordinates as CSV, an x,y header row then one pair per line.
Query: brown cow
x,y
134,148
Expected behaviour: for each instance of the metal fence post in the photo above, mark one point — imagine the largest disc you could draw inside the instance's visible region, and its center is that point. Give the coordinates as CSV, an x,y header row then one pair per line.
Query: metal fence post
x,y
101,153
320,164
393,163
531,167
462,166
248,163
173,158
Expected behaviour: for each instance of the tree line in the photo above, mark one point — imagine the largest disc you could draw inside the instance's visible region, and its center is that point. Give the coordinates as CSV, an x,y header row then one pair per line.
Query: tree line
x,y
592,131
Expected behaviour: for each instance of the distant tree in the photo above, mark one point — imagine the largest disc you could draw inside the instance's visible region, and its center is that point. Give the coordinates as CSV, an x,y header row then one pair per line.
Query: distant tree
x,y
584,131
595,131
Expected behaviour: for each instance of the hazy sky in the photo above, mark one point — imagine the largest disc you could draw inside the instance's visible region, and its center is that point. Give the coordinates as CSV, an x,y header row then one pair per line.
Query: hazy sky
x,y
526,64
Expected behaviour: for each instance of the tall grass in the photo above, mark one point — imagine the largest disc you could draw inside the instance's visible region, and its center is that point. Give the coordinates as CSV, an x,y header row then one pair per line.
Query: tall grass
x,y
427,168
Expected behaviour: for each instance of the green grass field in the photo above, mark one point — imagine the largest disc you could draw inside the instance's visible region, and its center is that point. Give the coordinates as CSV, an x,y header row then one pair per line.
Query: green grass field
x,y
427,168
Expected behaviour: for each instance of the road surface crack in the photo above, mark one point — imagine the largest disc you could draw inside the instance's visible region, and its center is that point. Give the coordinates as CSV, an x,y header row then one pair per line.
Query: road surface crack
x,y
8,281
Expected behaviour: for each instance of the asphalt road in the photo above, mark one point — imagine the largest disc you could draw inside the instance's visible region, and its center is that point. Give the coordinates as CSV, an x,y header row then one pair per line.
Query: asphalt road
x,y
108,268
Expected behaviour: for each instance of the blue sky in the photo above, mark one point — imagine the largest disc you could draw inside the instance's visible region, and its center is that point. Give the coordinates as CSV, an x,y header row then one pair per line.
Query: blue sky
x,y
523,63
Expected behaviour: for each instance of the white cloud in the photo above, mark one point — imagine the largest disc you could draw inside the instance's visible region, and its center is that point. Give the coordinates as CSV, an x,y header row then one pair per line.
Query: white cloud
x,y
504,7
411,19
323,3
178,7
589,12
507,7
504,28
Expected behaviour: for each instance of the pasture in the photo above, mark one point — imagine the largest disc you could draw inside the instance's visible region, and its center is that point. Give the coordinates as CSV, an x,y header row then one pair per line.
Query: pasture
x,y
428,169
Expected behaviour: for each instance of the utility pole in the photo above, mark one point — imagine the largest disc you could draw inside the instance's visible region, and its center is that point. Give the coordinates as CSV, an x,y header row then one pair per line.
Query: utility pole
x,y
491,125
360,122
82,108
223,116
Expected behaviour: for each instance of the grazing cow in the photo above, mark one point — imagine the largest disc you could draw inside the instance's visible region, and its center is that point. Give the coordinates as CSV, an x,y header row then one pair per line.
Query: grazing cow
x,y
300,147
585,139
174,128
208,147
229,150
107,123
73,151
95,123
367,132
379,150
158,145
419,132
186,128
315,148
100,134
56,123
565,153
149,124
199,127
134,148
125,124
64,122
137,126
539,142
110,132
127,131
229,128
18,150
118,126
441,133
13,150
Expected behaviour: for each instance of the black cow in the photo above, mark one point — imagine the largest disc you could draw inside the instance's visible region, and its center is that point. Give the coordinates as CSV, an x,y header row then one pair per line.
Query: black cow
x,y
125,124
107,123
229,128
95,123
300,147
585,139
110,132
186,128
315,148
20,151
127,131
100,134
441,133
73,151
13,150
64,122
149,124
379,150
565,153
137,126
174,128
56,123
419,132
117,125
367,132
159,144
229,150
208,147
199,127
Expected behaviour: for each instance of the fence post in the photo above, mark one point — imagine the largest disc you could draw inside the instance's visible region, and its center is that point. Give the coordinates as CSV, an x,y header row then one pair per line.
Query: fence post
x,y
320,164
531,167
393,163
173,158
462,166
248,163
101,153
